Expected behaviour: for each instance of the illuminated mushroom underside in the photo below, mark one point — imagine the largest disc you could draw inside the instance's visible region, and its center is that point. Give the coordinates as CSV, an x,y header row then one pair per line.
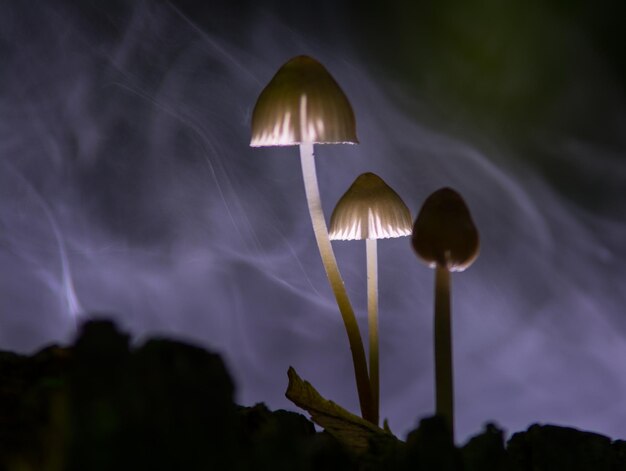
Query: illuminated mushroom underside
x,y
371,210
303,105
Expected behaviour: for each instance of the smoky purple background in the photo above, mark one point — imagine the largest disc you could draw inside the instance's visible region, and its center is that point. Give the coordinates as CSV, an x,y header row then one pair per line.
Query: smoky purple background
x,y
128,190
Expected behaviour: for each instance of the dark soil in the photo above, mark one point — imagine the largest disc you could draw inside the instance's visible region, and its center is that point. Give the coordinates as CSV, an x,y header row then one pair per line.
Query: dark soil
x,y
100,405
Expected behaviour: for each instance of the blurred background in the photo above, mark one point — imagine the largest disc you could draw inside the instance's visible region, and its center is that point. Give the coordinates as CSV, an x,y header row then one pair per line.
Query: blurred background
x,y
128,190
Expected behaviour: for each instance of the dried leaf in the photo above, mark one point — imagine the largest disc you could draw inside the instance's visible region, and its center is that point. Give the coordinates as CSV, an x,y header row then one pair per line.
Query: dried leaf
x,y
353,431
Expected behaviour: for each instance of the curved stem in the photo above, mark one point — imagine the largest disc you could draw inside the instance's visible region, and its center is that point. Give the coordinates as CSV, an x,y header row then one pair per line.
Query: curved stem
x,y
443,348
371,250
334,277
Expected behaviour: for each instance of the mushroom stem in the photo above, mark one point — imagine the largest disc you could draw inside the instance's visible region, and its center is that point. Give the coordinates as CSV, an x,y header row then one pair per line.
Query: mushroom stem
x,y
334,277
371,249
443,348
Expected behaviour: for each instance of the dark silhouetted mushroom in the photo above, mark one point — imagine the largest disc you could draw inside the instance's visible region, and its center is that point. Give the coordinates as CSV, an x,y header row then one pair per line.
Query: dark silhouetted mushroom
x,y
444,236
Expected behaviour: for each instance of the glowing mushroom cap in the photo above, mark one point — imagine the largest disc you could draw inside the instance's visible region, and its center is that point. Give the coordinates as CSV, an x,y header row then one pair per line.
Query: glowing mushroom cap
x,y
444,232
302,103
370,209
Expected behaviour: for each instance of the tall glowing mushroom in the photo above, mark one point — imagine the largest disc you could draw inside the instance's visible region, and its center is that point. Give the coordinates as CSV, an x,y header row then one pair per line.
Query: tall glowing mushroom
x,y
371,210
444,236
303,105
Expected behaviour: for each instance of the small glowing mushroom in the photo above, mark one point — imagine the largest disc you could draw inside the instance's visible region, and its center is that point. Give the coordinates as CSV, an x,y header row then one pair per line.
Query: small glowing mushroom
x,y
303,105
371,210
444,236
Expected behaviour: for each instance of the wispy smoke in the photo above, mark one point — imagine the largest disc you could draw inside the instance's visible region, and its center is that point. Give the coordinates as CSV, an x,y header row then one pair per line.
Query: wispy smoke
x,y
128,189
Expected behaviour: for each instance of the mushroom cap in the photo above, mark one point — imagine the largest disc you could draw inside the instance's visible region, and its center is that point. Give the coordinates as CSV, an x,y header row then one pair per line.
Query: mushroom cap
x,y
302,103
370,209
444,232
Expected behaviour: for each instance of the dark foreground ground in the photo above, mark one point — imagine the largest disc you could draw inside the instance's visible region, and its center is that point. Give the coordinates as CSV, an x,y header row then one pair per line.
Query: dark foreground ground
x,y
100,405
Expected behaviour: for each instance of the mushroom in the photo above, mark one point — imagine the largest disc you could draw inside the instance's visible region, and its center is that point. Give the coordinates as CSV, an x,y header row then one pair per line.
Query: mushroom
x,y
444,236
303,105
370,210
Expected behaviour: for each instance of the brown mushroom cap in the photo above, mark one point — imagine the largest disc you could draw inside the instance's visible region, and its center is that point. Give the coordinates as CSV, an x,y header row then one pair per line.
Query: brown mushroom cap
x,y
370,209
444,232
302,103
